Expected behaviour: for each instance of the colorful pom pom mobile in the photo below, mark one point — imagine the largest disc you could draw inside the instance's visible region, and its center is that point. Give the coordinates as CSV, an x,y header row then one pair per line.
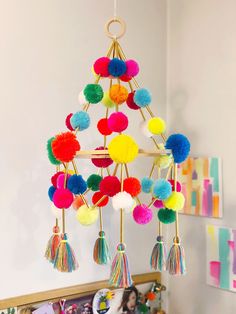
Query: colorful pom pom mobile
x,y
110,183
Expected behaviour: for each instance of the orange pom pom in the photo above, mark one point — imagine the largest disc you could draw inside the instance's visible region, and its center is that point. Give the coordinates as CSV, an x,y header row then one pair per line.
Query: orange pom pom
x,y
65,146
151,296
118,94
78,201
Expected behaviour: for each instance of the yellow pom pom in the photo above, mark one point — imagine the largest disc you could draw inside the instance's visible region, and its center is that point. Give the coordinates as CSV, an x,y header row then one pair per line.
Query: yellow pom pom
x,y
175,201
123,149
163,161
107,102
156,126
118,94
87,215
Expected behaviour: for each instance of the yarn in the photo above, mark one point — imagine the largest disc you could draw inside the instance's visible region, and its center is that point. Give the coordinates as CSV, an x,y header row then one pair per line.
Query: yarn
x,y
132,186
54,178
51,156
101,254
97,196
101,66
52,245
130,101
93,93
81,98
87,215
125,78
103,127
106,100
101,162
63,198
175,201
65,146
146,184
178,185
156,126
93,182
110,185
166,216
123,149
158,256
118,122
117,67
118,94
80,120
162,189
142,214
67,122
132,68
51,192
61,180
142,97
78,201
76,184
180,146
176,259
122,200
158,204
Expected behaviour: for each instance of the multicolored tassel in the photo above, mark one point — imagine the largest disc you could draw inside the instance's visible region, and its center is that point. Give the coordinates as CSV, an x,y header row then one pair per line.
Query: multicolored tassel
x,y
65,260
120,275
53,244
176,259
101,253
158,257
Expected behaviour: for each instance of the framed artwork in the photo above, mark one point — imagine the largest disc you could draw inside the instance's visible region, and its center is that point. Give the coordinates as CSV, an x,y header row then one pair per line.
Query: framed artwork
x,y
201,185
221,257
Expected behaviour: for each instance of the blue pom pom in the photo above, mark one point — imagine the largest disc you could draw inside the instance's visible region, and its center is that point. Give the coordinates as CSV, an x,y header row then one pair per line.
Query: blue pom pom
x,y
162,189
142,97
146,184
80,120
76,184
51,191
116,67
180,146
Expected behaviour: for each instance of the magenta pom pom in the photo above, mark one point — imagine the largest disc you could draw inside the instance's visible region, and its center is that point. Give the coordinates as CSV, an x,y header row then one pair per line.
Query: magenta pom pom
x,y
101,66
118,122
62,198
67,122
61,179
178,185
132,68
142,214
101,162
158,204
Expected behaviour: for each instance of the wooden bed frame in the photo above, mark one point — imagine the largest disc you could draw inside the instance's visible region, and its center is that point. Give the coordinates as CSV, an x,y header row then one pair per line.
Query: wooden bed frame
x,y
71,292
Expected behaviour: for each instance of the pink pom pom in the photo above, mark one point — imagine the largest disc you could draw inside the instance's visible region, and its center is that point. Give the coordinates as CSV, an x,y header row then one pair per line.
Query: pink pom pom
x,y
142,214
62,198
130,102
67,122
60,180
101,66
158,204
132,68
101,162
118,122
178,185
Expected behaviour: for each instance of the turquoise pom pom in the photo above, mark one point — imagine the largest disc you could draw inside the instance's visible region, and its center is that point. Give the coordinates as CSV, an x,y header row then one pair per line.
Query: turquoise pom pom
x,y
142,97
180,146
162,189
80,120
146,184
76,184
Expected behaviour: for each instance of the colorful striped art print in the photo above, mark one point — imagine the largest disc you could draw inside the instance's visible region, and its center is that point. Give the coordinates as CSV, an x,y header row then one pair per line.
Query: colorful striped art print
x,y
201,185
221,257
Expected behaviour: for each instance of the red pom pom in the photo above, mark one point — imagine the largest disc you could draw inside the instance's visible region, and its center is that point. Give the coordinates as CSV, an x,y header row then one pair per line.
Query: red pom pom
x,y
118,122
103,127
125,78
68,124
97,196
54,178
110,185
65,146
62,198
130,102
101,66
132,186
101,162
178,185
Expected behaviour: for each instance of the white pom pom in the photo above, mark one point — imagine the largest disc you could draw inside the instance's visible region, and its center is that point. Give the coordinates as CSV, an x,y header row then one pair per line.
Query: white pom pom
x,y
81,98
144,129
57,213
122,200
130,209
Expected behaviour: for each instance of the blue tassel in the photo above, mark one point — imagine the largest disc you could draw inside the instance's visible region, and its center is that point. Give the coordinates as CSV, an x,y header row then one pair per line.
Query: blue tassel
x,y
101,254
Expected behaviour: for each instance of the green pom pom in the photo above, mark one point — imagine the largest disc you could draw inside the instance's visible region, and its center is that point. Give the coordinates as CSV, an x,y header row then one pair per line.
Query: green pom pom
x,y
51,157
93,93
93,182
143,308
166,216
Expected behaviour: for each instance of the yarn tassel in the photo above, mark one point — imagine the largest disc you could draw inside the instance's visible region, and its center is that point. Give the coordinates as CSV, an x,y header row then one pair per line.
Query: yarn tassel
x,y
176,259
65,260
101,254
158,257
53,244
120,275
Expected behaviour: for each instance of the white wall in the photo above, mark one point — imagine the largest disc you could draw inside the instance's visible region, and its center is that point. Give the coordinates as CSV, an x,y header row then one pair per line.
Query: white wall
x,y
202,104
47,48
